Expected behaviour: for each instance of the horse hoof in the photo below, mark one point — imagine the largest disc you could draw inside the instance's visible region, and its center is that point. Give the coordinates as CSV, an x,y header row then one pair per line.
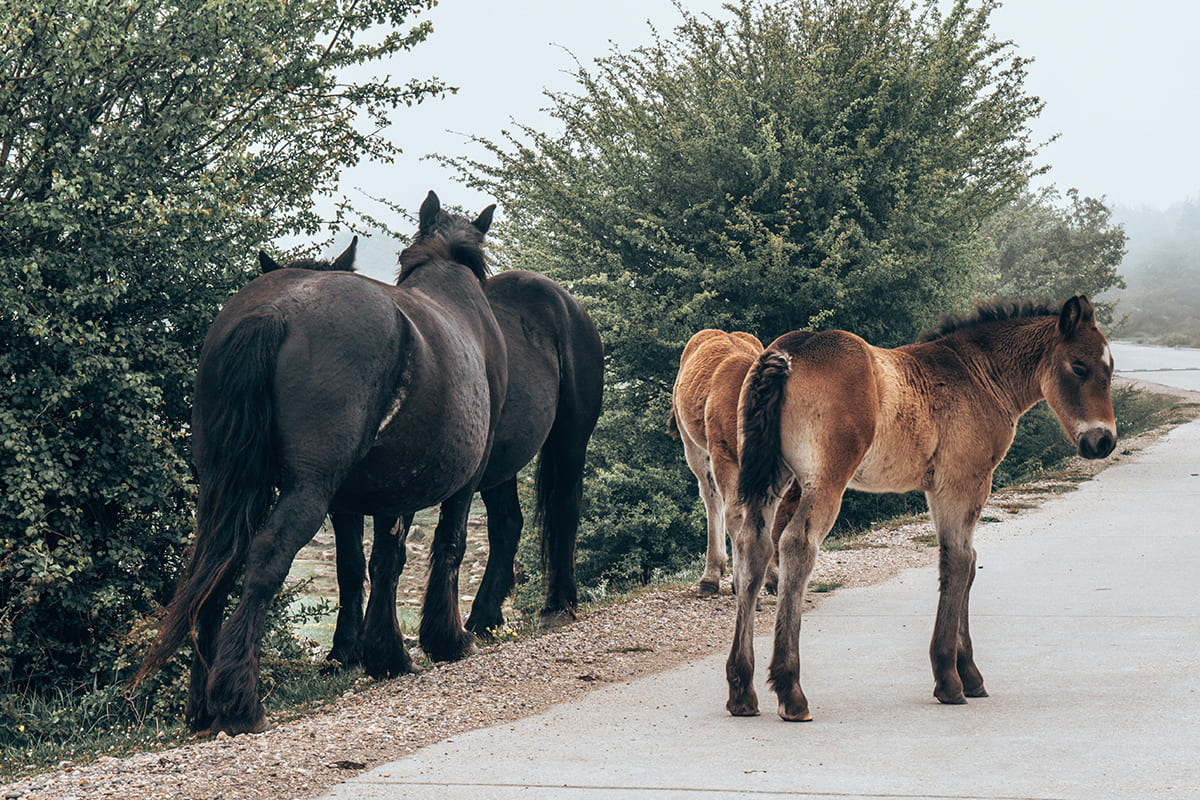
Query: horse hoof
x,y
708,588
801,715
980,692
234,728
334,665
958,700
743,709
549,620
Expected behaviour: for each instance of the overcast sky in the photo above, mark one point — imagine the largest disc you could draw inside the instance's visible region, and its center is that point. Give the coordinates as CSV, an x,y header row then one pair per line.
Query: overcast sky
x,y
1119,80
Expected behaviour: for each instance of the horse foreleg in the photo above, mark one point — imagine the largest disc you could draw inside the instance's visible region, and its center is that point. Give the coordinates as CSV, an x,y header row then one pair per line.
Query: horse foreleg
x,y
950,651
504,533
752,549
351,570
383,652
968,673
233,701
442,635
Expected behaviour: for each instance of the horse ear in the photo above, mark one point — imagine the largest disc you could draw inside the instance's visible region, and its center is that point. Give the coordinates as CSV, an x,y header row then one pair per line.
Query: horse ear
x,y
429,211
266,263
345,261
484,220
1076,311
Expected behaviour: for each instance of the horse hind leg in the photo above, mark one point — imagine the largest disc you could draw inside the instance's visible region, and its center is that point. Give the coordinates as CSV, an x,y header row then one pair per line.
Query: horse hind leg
x,y
798,544
716,558
346,651
560,493
208,625
383,653
752,552
504,522
232,691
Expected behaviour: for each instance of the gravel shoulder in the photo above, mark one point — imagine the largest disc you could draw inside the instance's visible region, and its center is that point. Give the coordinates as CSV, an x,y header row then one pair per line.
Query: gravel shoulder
x,y
650,633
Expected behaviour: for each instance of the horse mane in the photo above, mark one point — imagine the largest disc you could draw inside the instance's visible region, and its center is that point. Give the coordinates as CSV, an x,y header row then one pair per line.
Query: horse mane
x,y
318,265
991,311
455,240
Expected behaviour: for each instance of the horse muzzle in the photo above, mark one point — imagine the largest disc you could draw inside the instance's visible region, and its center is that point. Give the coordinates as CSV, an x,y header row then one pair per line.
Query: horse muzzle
x,y
1096,442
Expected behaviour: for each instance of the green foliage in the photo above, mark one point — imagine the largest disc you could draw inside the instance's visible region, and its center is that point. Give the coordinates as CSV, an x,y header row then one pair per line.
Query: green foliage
x,y
45,725
1042,249
806,163
146,148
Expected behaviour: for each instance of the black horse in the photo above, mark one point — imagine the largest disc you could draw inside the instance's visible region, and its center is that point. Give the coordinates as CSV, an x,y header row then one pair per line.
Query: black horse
x,y
348,396
555,383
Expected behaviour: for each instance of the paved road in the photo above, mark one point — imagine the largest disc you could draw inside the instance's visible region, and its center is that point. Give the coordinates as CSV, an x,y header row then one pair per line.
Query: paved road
x,y
1086,621
1166,365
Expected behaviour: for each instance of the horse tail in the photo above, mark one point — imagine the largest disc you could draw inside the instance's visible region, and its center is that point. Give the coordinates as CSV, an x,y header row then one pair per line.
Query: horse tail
x,y
238,469
673,424
761,414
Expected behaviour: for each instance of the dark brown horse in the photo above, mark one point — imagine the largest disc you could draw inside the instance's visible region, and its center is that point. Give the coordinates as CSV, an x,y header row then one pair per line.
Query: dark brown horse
x,y
833,412
347,395
555,386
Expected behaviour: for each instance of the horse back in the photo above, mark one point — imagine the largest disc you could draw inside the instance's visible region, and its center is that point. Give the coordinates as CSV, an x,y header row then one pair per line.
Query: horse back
x,y
705,399
555,368
853,413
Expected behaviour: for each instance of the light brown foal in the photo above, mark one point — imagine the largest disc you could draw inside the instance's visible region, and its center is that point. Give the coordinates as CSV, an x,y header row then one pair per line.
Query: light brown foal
x,y
704,416
833,412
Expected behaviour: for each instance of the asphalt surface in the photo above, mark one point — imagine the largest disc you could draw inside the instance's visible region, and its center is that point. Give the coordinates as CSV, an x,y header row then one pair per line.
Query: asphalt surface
x,y
1085,617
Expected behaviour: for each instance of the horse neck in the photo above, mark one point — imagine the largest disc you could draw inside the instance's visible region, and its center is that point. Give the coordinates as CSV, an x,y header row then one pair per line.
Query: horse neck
x,y
446,280
1008,357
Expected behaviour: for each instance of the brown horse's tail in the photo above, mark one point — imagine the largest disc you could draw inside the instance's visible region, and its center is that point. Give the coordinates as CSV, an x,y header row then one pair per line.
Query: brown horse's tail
x,y
760,416
673,424
238,469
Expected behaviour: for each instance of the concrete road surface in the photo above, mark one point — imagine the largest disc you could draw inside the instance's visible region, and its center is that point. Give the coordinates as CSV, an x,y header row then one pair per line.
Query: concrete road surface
x,y
1086,622
1171,366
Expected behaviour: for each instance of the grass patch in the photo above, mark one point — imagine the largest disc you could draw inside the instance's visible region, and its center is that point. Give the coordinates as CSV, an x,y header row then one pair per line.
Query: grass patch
x,y
822,587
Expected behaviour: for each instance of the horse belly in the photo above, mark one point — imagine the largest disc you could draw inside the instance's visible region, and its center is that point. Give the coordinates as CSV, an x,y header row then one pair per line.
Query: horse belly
x,y
418,460
893,464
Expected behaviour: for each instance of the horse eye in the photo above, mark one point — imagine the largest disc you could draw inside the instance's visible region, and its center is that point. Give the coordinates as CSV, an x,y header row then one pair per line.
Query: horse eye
x,y
1080,369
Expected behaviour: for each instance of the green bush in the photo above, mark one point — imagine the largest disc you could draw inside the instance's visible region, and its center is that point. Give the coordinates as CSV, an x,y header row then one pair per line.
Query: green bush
x,y
146,151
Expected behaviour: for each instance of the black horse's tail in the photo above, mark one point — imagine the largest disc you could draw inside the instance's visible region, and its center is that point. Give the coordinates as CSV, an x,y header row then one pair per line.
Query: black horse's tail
x,y
238,469
761,415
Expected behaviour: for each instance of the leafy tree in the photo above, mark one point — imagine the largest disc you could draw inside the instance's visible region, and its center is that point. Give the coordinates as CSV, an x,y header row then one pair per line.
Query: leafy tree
x,y
145,149
1041,248
805,163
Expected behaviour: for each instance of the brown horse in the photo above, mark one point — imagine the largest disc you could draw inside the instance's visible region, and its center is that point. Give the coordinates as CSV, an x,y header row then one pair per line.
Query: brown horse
x,y
704,416
833,412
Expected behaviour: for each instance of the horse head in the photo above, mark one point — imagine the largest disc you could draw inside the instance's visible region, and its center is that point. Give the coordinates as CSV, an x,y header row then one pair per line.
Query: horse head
x,y
343,263
1076,377
442,235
